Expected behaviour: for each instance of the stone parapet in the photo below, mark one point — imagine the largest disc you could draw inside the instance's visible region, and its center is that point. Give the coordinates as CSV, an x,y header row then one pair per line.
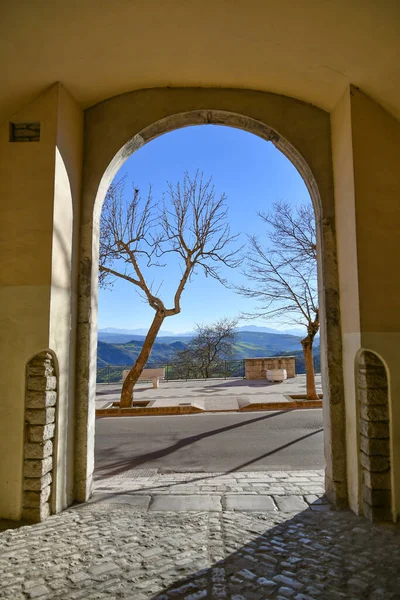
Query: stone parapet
x,y
256,368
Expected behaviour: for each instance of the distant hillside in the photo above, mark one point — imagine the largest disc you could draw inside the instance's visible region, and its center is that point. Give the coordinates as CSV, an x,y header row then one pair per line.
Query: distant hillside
x,y
112,335
250,344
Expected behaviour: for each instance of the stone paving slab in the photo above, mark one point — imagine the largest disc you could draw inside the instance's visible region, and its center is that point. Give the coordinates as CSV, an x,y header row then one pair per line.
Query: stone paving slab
x,y
291,503
249,502
192,502
132,500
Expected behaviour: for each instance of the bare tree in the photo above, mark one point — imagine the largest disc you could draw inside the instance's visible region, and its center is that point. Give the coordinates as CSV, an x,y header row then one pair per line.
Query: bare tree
x,y
207,350
135,235
284,274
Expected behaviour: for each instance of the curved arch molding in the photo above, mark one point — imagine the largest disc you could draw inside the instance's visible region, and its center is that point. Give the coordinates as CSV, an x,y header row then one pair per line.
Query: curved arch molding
x,y
113,130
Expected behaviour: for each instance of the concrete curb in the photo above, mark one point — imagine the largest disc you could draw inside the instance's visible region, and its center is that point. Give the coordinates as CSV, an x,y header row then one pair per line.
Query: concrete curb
x,y
294,405
189,410
140,412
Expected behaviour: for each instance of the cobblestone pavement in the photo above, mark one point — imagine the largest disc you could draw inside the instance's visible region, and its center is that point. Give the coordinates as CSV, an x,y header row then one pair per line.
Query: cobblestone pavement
x,y
120,546
149,481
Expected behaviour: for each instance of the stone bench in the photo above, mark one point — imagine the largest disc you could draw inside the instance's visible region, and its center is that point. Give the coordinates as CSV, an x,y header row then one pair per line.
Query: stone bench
x,y
277,375
148,374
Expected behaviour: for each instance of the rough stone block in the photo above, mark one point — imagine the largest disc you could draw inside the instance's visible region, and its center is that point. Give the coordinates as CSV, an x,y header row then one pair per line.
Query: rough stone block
x,y
373,379
38,483
373,396
375,463
40,359
35,499
378,481
377,513
35,515
291,503
374,429
41,433
42,383
375,447
45,369
381,498
38,450
374,412
40,416
41,399
38,468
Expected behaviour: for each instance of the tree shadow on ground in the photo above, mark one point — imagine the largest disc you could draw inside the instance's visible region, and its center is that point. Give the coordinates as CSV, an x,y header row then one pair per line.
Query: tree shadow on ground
x,y
119,465
242,466
312,555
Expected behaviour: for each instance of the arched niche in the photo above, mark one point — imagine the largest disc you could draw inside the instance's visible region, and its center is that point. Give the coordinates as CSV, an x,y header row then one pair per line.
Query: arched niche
x,y
39,436
374,436
114,129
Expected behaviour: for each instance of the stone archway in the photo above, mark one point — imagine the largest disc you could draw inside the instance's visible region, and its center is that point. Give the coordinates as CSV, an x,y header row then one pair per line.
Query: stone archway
x,y
374,438
113,131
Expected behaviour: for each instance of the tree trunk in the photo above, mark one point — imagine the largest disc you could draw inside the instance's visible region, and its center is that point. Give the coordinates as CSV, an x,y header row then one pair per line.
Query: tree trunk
x,y
307,344
134,373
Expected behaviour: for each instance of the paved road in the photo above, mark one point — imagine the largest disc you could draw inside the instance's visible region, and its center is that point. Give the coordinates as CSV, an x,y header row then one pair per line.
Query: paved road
x,y
211,443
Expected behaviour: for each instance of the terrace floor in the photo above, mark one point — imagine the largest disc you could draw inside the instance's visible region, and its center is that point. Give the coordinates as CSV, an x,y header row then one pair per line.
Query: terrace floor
x,y
210,394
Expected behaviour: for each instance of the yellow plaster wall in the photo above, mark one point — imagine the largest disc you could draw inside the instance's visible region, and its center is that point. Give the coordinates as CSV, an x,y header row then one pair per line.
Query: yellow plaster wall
x,y
376,155
39,220
26,214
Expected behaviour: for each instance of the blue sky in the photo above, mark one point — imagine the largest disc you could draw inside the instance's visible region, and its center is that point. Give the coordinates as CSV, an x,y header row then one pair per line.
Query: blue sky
x,y
251,172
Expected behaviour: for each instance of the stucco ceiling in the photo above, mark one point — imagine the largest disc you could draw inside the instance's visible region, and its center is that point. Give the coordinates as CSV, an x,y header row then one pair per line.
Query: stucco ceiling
x,y
308,49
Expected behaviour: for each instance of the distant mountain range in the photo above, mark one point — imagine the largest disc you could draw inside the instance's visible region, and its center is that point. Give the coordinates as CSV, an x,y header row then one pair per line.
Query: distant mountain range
x,y
250,344
114,335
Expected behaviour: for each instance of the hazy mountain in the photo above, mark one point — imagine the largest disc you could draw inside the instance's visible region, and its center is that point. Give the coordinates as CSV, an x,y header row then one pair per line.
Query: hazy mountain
x,y
259,329
142,331
113,335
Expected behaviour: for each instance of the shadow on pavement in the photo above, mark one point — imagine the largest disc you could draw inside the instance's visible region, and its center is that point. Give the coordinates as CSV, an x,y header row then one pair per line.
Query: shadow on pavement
x,y
208,476
119,465
312,555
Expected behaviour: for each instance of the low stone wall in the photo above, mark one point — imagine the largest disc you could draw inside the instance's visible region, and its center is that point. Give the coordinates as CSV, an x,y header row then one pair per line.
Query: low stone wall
x,y
256,368
41,397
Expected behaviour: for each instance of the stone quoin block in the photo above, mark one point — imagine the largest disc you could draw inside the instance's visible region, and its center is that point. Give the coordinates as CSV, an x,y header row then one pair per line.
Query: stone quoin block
x,y
42,399
377,429
375,447
41,433
38,514
376,497
374,412
375,463
376,480
37,468
42,383
36,484
38,450
40,417
34,499
373,396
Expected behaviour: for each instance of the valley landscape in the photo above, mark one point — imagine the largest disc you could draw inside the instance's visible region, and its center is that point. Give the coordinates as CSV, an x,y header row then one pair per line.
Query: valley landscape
x,y
121,349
